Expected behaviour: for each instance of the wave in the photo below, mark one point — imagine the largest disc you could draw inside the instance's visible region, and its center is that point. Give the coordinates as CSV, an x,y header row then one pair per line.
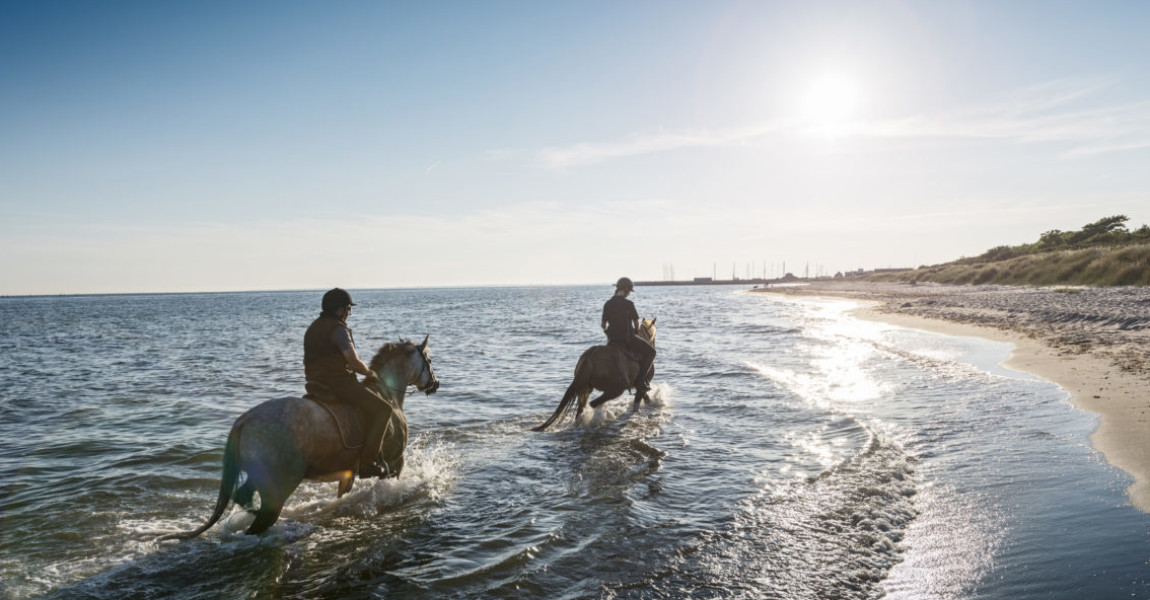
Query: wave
x,y
837,534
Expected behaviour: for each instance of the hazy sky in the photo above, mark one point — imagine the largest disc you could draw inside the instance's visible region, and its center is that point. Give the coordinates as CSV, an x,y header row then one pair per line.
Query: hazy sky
x,y
194,146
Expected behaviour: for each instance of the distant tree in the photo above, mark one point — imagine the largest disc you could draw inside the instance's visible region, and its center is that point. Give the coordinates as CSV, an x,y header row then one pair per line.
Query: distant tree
x,y
1052,239
1101,231
1115,223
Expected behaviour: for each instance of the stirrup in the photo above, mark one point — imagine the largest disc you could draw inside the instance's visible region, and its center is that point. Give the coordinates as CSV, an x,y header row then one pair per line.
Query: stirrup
x,y
372,470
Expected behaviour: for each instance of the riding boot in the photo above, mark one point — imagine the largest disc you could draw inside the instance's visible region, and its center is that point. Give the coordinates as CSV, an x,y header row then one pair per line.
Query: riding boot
x,y
372,445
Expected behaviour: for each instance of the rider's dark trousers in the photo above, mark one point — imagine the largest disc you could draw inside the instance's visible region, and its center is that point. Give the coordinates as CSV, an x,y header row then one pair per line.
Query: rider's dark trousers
x,y
377,411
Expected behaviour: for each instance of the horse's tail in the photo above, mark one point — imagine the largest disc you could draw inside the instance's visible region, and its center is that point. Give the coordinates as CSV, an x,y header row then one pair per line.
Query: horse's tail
x,y
227,485
564,406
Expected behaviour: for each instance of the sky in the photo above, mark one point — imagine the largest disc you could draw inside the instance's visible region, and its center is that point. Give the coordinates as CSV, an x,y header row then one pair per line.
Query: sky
x,y
197,147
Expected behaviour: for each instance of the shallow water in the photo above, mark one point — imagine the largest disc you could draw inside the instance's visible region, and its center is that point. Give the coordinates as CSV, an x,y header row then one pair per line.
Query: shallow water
x,y
792,451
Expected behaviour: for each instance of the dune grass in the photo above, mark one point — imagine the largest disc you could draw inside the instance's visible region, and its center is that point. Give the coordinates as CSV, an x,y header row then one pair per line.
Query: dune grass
x,y
1097,266
1102,253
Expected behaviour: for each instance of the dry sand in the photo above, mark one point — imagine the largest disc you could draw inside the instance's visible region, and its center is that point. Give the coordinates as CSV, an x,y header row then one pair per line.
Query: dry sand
x,y
1093,342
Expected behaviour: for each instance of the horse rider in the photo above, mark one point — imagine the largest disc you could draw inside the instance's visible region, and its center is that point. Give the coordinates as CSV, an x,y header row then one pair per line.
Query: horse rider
x,y
621,324
330,359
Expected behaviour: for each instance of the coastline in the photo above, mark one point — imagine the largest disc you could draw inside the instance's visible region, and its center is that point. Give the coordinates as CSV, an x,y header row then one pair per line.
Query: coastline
x,y
1104,372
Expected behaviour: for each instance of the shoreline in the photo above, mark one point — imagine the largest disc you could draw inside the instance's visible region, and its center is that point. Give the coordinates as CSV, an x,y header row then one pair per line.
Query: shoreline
x,y
1103,377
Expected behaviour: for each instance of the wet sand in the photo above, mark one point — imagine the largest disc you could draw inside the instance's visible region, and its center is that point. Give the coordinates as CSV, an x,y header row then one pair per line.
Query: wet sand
x,y
1093,342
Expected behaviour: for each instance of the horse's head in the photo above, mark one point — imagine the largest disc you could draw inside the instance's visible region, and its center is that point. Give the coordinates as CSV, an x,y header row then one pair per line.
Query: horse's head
x,y
426,381
403,364
647,330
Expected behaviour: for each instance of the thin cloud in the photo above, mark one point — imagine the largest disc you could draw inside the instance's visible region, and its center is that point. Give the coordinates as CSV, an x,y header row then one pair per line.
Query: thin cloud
x,y
1051,112
1048,113
650,143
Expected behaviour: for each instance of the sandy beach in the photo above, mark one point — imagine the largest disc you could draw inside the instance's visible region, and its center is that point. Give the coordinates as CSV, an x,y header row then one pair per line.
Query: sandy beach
x,y
1093,342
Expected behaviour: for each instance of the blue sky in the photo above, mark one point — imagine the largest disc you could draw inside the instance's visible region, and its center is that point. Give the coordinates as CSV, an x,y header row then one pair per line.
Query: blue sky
x,y
148,147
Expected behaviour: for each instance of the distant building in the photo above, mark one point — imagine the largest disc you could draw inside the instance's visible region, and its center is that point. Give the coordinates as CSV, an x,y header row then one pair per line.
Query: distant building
x,y
704,279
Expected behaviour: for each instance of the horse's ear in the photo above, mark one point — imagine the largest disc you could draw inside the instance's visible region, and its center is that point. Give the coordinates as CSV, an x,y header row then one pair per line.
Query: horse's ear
x,y
653,321
423,346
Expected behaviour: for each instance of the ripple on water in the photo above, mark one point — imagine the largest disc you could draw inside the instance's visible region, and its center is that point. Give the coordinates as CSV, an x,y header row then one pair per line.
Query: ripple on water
x,y
792,452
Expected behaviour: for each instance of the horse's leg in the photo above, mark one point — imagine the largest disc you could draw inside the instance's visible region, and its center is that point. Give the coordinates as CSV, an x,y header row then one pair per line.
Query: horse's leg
x,y
274,492
650,376
582,404
275,467
266,516
611,395
245,496
394,445
345,483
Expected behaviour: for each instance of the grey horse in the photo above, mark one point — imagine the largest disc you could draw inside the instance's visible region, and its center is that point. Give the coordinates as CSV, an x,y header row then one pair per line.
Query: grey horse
x,y
604,368
281,442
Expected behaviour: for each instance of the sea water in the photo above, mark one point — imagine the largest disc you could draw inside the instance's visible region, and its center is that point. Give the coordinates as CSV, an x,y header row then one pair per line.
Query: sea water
x,y
791,451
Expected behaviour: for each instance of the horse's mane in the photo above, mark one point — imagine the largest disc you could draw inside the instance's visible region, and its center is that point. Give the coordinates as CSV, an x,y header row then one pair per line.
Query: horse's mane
x,y
389,350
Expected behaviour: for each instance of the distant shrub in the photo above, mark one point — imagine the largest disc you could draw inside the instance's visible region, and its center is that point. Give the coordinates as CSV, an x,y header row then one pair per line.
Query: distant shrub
x,y
999,253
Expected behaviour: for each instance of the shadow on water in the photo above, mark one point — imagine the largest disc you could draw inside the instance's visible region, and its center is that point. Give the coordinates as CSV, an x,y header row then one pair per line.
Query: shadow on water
x,y
196,569
293,559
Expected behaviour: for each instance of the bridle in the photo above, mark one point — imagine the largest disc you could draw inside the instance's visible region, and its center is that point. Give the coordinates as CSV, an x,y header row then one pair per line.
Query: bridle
x,y
424,367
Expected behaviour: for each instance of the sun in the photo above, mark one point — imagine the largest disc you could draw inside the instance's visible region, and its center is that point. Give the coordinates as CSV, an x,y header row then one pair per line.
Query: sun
x,y
830,102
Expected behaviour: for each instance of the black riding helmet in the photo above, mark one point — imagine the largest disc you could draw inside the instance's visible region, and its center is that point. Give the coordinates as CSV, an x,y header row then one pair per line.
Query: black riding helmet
x,y
335,299
625,283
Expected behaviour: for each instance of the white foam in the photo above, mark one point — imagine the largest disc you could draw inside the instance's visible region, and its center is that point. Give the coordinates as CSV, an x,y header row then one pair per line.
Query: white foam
x,y
613,410
430,468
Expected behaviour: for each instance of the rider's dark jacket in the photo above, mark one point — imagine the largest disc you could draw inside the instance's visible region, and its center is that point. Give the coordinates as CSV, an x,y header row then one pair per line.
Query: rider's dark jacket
x,y
323,360
620,315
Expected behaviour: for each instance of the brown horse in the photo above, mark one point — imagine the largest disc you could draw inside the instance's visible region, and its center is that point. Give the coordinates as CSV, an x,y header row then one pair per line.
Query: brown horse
x,y
605,368
281,442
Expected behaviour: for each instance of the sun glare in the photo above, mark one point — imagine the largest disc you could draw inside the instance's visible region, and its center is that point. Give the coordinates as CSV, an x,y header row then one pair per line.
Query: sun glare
x,y
829,103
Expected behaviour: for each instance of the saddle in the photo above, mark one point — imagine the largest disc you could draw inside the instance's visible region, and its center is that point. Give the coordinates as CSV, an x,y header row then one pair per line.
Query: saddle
x,y
620,346
348,419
